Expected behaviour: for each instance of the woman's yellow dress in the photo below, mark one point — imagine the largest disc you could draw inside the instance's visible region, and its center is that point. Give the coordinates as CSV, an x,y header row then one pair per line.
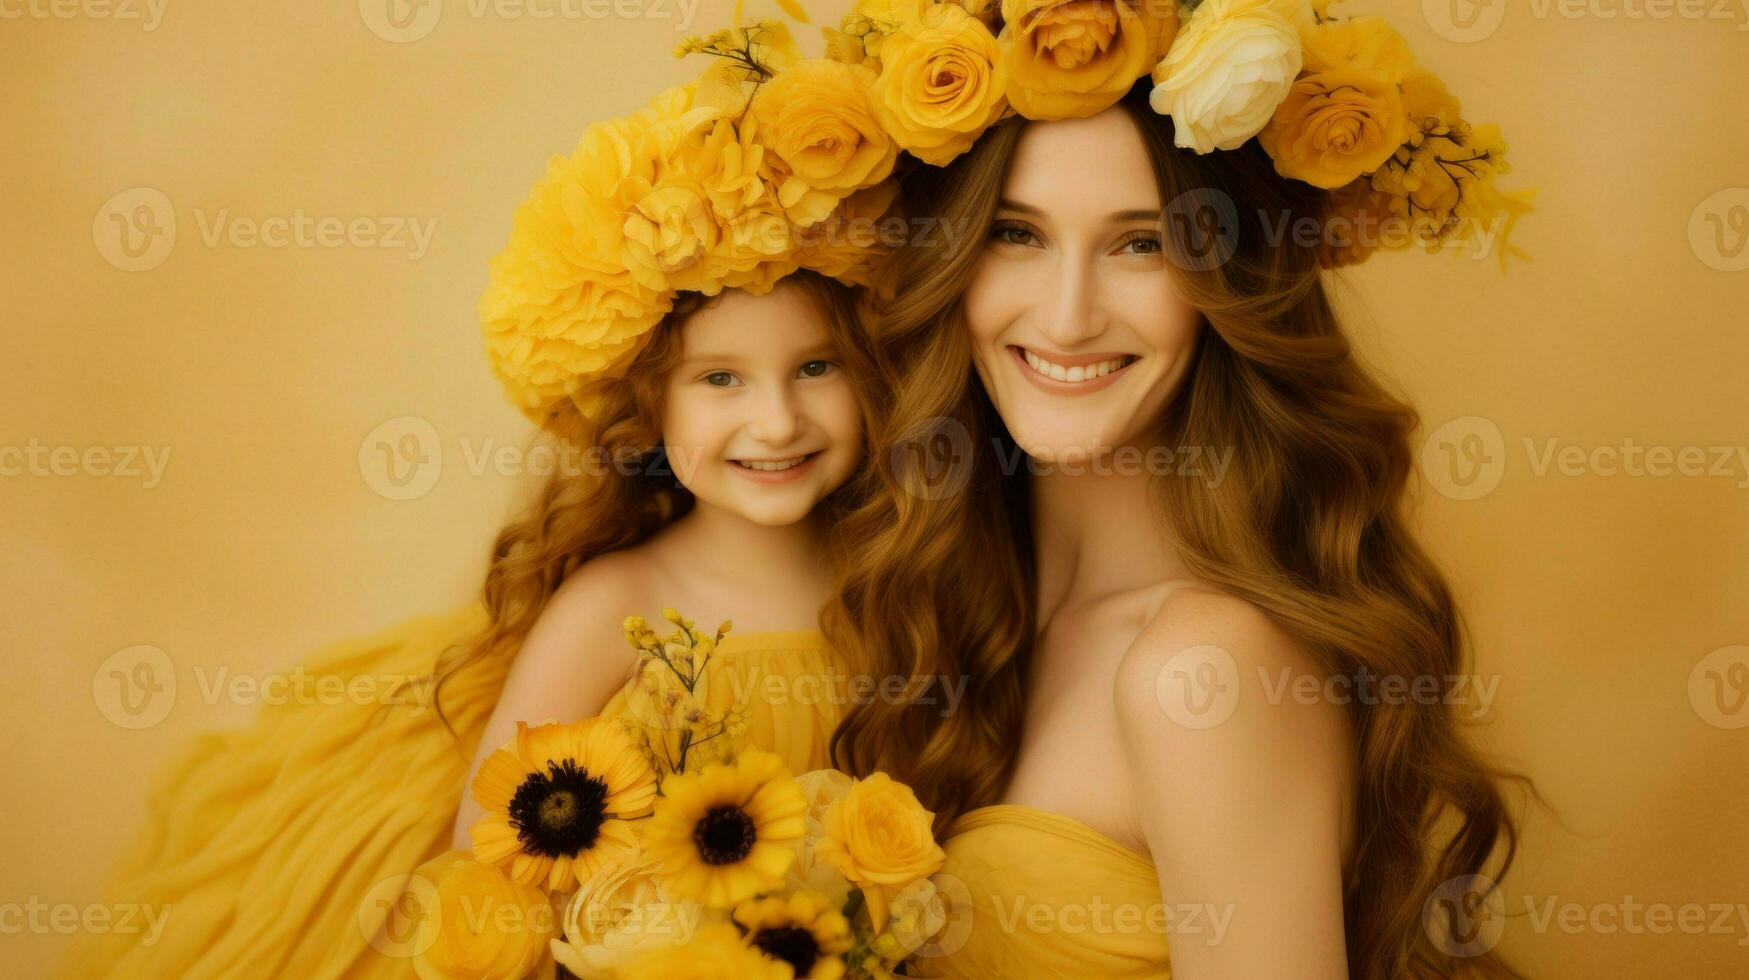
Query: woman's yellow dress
x,y
1036,895
280,850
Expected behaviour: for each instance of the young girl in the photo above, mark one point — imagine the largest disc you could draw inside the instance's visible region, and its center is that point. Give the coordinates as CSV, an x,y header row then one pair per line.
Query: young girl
x,y
755,405
693,347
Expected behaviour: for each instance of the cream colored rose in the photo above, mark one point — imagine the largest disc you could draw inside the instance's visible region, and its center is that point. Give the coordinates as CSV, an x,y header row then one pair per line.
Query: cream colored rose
x,y
1232,65
941,84
619,914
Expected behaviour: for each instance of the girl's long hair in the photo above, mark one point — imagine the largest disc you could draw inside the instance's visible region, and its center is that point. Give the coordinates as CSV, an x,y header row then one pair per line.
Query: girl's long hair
x,y
1307,525
622,491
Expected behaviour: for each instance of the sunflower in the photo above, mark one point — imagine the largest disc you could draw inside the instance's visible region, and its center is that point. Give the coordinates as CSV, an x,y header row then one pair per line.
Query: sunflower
x,y
805,930
724,834
558,799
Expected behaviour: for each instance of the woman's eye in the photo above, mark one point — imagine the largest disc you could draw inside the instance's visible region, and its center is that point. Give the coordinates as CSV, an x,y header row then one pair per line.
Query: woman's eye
x,y
721,379
815,369
1013,233
1141,243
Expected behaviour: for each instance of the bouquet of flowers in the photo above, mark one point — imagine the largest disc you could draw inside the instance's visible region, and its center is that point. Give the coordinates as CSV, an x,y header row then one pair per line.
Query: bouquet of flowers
x,y
660,845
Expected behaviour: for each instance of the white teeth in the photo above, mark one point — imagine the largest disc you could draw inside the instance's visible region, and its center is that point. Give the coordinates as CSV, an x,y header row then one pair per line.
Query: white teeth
x,y
770,466
1077,373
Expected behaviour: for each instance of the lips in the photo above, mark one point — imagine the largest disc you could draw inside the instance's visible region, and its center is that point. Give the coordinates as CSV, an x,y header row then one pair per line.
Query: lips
x,y
1078,374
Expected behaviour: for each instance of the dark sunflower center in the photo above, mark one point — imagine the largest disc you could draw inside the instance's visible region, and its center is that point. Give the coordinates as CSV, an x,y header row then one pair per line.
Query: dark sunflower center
x,y
724,835
559,812
791,944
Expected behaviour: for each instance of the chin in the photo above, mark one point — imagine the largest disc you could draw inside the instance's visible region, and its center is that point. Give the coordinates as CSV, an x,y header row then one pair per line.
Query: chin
x,y
776,515
1061,439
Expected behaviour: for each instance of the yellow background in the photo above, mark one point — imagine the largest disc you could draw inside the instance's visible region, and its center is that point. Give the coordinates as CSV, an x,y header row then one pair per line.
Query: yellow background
x,y
1592,597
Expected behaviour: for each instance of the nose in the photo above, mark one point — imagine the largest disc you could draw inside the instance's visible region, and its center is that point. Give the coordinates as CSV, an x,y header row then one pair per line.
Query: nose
x,y
776,417
1070,308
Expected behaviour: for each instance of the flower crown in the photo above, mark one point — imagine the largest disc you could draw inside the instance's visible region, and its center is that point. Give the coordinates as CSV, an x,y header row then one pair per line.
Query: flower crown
x,y
771,161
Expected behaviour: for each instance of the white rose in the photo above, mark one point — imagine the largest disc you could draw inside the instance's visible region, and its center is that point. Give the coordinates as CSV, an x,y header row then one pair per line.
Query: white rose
x,y
618,914
823,788
1229,69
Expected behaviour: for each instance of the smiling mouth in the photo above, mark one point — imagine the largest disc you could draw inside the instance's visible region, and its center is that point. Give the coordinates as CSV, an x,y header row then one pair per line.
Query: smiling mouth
x,y
774,465
1073,373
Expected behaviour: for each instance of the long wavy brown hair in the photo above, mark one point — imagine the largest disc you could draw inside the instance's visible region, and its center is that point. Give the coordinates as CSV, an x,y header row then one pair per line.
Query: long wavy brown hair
x,y
623,492
1308,526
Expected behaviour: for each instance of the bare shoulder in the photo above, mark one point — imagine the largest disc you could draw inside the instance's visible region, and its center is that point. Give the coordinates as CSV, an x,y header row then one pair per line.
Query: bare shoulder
x,y
582,623
1214,691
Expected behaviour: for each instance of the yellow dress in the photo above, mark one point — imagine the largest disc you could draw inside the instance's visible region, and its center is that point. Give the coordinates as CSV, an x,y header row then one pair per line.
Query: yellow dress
x,y
262,846
1040,895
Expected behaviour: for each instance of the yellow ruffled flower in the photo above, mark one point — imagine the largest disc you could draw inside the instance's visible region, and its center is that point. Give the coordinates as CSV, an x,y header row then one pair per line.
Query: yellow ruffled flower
x,y
723,834
1367,44
1073,58
850,243
559,800
717,952
479,925
882,839
941,84
563,304
805,930
816,119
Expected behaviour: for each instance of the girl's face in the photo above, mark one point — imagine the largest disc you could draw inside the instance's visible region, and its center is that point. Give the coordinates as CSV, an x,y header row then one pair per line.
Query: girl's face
x,y
1078,332
759,419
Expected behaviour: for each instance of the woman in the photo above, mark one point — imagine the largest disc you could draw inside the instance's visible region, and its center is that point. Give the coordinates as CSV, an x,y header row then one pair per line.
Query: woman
x,y
1130,631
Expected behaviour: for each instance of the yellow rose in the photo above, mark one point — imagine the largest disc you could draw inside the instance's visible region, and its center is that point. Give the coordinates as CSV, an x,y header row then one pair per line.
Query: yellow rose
x,y
1072,58
1230,68
941,84
1335,126
716,952
880,837
480,925
825,142
619,914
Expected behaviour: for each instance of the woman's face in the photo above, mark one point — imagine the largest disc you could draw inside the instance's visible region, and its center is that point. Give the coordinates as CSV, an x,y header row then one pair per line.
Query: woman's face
x,y
1078,332
759,418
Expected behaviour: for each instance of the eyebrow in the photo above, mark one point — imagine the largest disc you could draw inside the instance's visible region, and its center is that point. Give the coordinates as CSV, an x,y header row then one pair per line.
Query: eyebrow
x,y
824,349
1139,214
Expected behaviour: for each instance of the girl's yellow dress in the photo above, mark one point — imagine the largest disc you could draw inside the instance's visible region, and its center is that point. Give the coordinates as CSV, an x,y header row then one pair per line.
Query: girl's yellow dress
x,y
279,850
1039,895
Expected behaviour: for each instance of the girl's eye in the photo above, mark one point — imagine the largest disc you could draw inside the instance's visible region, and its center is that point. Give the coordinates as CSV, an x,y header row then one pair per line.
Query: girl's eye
x,y
1141,242
721,379
1013,233
815,369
